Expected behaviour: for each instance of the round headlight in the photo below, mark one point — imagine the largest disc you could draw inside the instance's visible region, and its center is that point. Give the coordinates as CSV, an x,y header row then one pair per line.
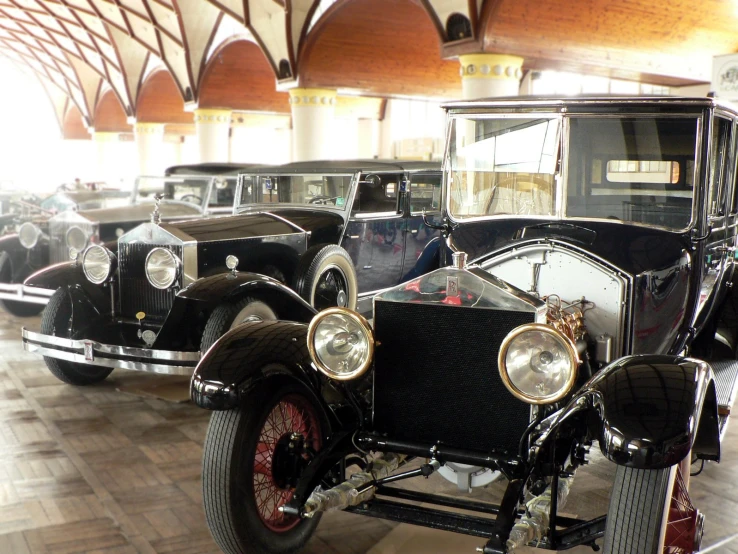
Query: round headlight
x,y
538,364
76,238
162,268
97,263
341,343
28,235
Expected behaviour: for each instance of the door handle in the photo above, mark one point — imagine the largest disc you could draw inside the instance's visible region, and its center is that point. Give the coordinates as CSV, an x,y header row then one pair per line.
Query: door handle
x,y
353,236
413,231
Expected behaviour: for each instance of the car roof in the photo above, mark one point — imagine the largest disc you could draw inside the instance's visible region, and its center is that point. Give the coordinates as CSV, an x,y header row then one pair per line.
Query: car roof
x,y
348,166
209,168
587,102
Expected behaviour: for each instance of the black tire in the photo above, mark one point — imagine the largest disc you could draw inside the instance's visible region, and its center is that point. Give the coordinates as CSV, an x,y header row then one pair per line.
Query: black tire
x,y
55,320
236,520
18,309
227,316
639,510
325,277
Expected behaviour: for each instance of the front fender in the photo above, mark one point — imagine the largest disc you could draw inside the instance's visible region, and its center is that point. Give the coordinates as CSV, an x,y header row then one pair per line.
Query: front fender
x,y
226,287
69,274
653,410
247,353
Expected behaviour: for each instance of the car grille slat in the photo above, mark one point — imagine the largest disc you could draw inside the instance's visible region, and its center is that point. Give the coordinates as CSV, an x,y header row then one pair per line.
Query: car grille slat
x,y
58,249
136,293
436,376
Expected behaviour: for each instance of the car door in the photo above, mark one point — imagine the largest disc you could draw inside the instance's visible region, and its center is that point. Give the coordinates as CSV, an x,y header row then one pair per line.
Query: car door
x,y
716,244
374,235
421,241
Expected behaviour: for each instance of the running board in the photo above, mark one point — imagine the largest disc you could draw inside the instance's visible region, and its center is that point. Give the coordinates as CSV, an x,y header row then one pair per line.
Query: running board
x,y
726,386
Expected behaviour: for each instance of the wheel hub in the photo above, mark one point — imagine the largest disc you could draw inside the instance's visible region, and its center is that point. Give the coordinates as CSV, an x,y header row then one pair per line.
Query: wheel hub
x,y
341,298
699,530
289,460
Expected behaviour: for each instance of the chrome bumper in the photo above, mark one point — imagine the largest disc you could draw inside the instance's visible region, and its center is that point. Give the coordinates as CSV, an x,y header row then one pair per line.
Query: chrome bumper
x,y
89,352
21,293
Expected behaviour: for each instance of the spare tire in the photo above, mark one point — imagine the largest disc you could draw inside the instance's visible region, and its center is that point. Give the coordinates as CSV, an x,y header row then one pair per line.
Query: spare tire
x,y
325,277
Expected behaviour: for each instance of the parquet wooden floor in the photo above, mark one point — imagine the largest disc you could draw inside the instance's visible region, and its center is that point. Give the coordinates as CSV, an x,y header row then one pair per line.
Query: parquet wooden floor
x,y
94,470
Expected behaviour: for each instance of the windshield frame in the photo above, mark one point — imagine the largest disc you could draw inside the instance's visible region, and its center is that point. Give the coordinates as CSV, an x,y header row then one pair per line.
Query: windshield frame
x,y
561,175
240,207
203,207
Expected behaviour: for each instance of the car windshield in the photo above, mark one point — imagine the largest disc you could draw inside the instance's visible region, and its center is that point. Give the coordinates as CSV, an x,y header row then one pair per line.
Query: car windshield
x,y
86,200
632,169
190,189
310,189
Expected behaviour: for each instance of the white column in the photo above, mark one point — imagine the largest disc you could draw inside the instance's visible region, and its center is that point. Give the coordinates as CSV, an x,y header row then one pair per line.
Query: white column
x,y
490,75
149,143
213,127
107,164
313,115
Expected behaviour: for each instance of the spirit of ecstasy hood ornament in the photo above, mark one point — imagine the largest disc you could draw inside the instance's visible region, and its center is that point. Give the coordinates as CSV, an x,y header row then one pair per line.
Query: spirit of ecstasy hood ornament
x,y
156,214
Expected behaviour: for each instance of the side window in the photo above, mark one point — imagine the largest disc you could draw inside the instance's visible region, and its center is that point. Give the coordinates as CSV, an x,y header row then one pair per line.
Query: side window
x,y
425,193
223,193
377,194
721,157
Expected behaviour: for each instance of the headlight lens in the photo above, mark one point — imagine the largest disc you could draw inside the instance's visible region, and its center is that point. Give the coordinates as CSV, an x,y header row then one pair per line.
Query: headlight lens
x,y
28,235
97,263
76,238
341,343
538,364
162,268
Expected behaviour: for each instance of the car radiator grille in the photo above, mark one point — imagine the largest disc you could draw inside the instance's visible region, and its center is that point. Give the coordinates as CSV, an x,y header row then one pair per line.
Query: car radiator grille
x,y
58,249
436,376
136,293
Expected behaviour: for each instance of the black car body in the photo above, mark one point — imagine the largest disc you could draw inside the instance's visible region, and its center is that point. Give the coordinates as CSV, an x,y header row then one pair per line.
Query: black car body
x,y
598,305
301,235
188,191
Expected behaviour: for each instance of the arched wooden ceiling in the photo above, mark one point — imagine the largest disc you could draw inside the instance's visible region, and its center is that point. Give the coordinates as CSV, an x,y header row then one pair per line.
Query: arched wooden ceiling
x,y
109,115
73,126
378,47
382,47
238,76
159,101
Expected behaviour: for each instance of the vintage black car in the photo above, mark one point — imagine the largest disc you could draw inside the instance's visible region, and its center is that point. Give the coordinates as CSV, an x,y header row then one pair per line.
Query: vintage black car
x,y
303,234
188,192
598,305
26,248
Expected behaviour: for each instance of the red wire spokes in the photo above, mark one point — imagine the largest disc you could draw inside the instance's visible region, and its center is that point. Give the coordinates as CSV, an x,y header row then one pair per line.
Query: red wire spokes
x,y
681,527
293,414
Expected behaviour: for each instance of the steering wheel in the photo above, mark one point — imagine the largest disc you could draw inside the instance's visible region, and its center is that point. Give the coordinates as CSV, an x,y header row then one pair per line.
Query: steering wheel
x,y
193,198
321,199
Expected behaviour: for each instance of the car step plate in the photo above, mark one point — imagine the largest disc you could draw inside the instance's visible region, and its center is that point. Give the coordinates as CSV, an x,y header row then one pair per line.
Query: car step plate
x,y
726,383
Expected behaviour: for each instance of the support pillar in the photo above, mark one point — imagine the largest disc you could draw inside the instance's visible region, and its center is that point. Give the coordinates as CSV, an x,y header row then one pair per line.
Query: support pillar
x,y
106,144
313,115
490,75
149,143
213,127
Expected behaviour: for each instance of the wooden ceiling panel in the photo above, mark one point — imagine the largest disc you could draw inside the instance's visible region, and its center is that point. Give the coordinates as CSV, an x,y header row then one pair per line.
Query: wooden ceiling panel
x,y
239,77
384,47
109,115
159,101
73,127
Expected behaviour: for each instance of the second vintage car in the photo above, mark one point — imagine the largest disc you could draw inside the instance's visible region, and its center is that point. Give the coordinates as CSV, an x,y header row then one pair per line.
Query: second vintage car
x,y
304,235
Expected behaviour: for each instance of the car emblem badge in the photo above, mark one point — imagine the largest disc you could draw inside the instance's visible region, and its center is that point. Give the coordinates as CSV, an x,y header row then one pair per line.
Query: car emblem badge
x,y
89,354
452,286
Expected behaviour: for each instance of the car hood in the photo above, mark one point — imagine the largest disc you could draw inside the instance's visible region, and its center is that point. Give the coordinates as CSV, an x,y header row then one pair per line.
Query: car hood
x,y
257,224
139,212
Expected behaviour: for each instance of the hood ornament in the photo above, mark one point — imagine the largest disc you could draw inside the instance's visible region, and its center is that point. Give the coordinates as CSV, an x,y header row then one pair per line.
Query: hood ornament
x,y
156,214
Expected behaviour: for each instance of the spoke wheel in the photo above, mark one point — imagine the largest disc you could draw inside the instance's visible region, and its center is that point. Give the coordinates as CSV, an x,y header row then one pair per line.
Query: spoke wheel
x,y
292,415
683,533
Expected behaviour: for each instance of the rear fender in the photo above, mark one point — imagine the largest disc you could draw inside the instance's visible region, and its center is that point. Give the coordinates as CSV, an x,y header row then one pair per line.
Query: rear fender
x,y
653,410
248,353
211,291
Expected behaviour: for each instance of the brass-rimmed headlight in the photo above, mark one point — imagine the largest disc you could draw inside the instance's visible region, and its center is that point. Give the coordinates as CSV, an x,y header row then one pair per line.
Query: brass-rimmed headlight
x,y
162,268
28,235
76,238
341,343
98,263
538,364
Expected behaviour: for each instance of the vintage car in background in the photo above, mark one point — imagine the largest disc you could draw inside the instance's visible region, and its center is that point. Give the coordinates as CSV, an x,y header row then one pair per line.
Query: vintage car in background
x,y
188,191
25,248
598,304
304,234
